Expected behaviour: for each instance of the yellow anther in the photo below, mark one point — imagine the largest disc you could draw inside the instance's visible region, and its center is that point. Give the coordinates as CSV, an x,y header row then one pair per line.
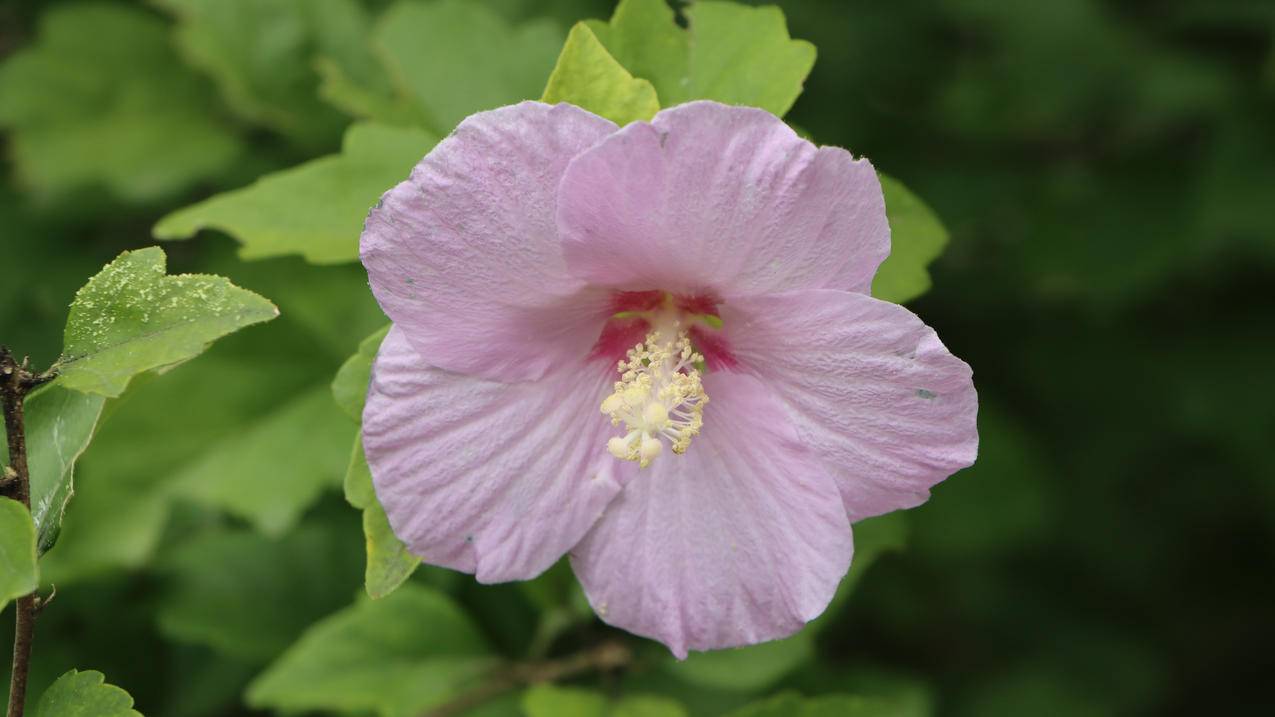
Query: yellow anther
x,y
659,397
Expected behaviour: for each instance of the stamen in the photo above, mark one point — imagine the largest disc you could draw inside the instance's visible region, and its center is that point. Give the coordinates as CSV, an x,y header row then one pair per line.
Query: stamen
x,y
659,397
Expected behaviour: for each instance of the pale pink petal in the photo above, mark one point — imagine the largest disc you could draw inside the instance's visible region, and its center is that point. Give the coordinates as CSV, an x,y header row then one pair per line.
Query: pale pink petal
x,y
872,389
492,478
464,256
742,539
710,197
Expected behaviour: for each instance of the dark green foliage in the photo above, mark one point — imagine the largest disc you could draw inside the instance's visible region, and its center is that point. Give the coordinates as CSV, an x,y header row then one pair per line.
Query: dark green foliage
x,y
1103,173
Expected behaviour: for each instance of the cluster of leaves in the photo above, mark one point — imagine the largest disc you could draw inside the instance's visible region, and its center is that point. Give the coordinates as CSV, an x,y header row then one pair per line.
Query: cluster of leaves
x,y
1104,170
225,500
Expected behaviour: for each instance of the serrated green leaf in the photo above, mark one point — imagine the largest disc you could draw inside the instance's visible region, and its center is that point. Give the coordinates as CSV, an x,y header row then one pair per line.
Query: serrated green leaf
x,y
315,209
131,318
349,388
261,53
917,237
794,705
730,53
453,58
395,657
371,98
59,426
587,76
389,562
85,694
289,582
302,443
19,572
101,100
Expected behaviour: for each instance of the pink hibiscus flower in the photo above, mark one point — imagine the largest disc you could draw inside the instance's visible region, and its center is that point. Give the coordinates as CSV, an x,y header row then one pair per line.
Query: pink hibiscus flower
x,y
653,349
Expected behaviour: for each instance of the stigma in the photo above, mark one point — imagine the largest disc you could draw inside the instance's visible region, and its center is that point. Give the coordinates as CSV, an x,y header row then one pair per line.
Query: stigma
x,y
659,397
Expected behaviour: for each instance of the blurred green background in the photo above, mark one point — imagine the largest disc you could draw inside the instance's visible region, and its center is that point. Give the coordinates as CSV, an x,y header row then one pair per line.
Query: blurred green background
x,y
1107,174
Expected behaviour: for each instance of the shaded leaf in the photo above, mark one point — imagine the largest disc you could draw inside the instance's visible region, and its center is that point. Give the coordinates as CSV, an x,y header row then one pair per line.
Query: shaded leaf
x,y
101,100
131,317
545,700
315,209
587,76
59,426
453,58
729,53
85,694
248,596
19,573
273,468
394,657
261,53
794,705
917,237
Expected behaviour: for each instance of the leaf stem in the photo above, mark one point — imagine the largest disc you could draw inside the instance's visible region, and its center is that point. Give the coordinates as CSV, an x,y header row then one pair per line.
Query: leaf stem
x,y
15,382
606,656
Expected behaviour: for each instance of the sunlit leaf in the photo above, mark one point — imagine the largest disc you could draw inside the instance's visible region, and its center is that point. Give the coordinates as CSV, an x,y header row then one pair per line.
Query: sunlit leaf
x,y
131,318
453,57
19,574
587,76
389,562
394,657
730,53
315,209
100,99
59,426
85,694
349,388
917,237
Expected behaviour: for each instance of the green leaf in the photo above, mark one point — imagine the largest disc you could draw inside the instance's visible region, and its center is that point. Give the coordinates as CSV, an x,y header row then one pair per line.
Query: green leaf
x,y
85,694
395,657
730,53
101,100
587,76
545,700
130,318
303,444
288,584
315,209
349,388
553,701
19,573
745,668
261,53
917,237
369,98
389,562
59,426
794,705
453,58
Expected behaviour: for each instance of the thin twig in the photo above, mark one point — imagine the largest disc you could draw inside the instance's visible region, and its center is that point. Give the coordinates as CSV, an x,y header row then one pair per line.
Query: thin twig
x,y
604,657
15,382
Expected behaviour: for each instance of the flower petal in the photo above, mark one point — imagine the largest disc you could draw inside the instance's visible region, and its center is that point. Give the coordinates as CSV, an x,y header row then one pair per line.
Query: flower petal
x,y
741,539
464,256
872,389
492,478
726,199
